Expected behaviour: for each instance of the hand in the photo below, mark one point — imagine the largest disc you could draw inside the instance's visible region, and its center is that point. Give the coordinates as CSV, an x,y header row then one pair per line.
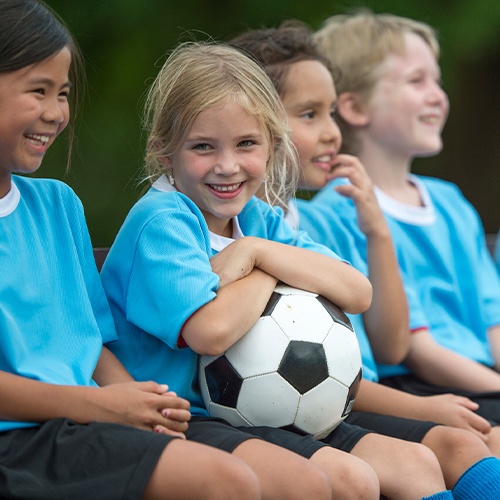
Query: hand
x,y
145,405
455,411
360,190
177,418
234,262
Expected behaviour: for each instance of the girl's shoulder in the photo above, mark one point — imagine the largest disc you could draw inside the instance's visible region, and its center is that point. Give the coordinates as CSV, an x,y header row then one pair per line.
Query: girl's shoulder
x,y
45,191
156,202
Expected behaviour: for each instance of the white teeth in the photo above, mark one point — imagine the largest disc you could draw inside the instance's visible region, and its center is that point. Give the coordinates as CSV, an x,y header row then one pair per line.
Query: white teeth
x,y
324,158
224,189
39,138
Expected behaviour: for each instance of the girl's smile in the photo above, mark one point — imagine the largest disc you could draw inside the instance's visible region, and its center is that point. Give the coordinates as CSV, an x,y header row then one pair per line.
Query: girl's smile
x,y
222,163
33,112
310,103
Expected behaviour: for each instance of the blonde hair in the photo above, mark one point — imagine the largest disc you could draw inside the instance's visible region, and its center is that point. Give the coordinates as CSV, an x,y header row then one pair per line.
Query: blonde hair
x,y
199,75
356,45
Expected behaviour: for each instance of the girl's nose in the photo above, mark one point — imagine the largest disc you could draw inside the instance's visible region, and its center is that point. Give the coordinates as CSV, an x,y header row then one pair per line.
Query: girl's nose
x,y
332,134
226,164
55,111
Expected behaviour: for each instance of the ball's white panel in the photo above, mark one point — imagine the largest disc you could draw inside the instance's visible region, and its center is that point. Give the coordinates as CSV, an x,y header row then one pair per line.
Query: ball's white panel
x,y
203,386
320,409
230,414
268,400
260,350
302,318
342,354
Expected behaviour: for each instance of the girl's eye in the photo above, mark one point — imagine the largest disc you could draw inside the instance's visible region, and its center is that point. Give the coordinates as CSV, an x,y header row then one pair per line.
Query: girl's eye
x,y
202,146
246,143
334,113
308,115
39,91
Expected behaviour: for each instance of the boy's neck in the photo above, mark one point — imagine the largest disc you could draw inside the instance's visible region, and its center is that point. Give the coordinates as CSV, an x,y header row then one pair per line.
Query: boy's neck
x,y
389,172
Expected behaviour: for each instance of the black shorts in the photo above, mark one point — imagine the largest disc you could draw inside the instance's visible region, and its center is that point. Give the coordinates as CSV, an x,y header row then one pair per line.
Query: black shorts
x,y
220,434
489,402
345,436
388,425
64,460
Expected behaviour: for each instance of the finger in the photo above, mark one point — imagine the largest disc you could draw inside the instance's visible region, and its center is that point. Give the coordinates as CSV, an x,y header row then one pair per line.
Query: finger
x,y
468,403
479,423
153,387
160,429
175,414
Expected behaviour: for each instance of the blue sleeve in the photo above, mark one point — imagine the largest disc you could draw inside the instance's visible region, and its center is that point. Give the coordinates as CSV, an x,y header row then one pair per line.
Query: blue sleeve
x,y
171,276
95,290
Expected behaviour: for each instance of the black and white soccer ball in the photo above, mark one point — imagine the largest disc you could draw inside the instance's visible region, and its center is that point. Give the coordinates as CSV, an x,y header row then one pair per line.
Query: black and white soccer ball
x,y
297,368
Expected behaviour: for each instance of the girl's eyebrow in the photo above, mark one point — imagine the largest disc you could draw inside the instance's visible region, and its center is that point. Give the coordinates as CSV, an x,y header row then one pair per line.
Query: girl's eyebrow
x,y
47,81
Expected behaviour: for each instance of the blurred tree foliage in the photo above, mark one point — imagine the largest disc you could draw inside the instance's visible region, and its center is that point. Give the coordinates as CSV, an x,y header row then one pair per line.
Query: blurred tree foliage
x,y
125,41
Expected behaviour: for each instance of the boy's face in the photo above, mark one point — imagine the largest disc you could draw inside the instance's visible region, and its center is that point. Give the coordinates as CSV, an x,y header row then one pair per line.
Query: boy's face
x,y
310,102
408,107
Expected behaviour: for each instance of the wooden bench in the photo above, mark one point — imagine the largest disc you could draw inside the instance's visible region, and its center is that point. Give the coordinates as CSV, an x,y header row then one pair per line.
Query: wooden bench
x,y
100,256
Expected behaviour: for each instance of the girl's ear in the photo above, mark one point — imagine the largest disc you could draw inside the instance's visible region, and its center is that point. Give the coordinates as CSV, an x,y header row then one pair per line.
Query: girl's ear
x,y
164,160
351,109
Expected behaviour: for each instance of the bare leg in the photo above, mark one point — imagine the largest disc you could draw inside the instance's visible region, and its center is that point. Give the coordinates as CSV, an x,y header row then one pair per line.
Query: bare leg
x,y
456,450
188,470
283,474
351,477
405,470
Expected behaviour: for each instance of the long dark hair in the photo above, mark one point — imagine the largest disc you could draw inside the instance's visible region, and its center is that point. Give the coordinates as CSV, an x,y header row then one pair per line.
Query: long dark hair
x,y
30,31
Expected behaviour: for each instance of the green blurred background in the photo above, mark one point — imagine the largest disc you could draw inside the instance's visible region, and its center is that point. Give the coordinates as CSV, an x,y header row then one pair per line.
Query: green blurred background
x,y
125,41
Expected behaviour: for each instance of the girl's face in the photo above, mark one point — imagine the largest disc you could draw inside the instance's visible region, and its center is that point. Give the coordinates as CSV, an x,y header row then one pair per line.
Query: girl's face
x,y
221,164
33,112
310,102
408,107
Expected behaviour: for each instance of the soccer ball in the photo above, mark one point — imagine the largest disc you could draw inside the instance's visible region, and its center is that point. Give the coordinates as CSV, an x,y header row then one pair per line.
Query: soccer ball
x,y
297,368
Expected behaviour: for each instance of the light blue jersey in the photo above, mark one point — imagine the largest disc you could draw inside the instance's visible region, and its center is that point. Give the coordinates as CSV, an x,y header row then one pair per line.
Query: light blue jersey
x,y
323,225
444,258
54,316
158,273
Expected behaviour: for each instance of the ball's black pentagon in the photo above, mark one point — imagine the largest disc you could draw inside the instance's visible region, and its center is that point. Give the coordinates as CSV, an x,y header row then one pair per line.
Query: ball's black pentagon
x,y
335,312
271,304
304,365
351,396
223,382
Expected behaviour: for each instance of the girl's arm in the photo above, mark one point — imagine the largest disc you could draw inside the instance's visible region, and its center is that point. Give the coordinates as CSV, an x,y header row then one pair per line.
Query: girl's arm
x,y
109,370
249,269
447,409
298,267
138,404
440,366
386,321
224,320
